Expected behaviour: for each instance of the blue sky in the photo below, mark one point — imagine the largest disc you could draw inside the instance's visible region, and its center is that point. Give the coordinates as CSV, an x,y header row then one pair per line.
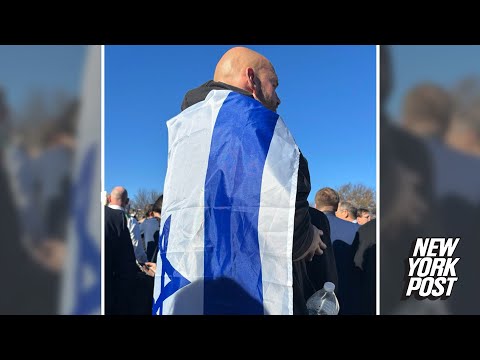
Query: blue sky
x,y
328,103
45,68
444,65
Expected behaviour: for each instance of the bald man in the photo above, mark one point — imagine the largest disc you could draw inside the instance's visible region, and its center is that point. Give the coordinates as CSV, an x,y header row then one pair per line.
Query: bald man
x,y
244,71
119,200
120,265
249,74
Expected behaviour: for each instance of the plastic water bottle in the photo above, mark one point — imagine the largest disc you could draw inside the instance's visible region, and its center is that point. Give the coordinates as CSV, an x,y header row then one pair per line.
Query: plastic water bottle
x,y
324,301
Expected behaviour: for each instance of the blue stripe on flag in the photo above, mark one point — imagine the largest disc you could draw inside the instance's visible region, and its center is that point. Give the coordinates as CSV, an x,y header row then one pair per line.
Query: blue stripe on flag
x,y
177,281
86,300
240,142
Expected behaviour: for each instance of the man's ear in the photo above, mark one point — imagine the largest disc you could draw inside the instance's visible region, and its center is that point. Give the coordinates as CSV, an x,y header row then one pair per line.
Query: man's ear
x,y
251,79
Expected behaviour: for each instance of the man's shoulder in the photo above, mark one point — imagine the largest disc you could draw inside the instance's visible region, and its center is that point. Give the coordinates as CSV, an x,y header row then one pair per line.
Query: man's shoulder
x,y
109,210
344,224
113,215
200,93
233,108
317,215
368,230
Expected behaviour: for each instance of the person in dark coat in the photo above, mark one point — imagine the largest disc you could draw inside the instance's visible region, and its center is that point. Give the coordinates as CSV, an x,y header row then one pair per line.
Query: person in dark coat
x,y
365,268
120,265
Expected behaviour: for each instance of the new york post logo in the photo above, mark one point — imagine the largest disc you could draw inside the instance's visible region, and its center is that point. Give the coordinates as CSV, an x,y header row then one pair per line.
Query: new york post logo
x,y
431,269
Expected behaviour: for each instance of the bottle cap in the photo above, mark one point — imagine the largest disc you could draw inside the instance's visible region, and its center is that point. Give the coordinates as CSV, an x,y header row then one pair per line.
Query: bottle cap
x,y
329,286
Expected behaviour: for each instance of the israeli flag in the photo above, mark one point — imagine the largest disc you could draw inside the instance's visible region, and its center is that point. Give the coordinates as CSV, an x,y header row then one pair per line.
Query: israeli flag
x,y
81,283
225,245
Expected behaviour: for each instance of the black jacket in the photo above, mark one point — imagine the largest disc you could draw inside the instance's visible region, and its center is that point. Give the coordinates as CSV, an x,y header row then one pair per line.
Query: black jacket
x,y
120,265
302,238
27,287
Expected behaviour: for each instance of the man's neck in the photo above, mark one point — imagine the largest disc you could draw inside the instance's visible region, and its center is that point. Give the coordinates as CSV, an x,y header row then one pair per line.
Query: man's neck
x,y
233,88
116,207
327,209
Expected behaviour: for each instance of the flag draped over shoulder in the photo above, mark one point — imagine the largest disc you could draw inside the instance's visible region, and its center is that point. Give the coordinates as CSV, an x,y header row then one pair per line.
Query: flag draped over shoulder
x,y
225,244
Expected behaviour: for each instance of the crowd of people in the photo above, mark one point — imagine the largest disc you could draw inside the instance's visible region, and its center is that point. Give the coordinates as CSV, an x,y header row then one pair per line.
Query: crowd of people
x,y
131,249
36,164
429,176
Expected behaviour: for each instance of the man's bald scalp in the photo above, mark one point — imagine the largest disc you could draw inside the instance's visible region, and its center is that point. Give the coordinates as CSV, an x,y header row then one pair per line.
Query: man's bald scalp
x,y
119,193
235,61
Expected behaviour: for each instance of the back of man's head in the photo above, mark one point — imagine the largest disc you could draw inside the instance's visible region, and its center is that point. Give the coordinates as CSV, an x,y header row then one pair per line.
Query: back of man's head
x,y
231,67
157,206
464,131
148,210
427,111
327,199
250,71
119,196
